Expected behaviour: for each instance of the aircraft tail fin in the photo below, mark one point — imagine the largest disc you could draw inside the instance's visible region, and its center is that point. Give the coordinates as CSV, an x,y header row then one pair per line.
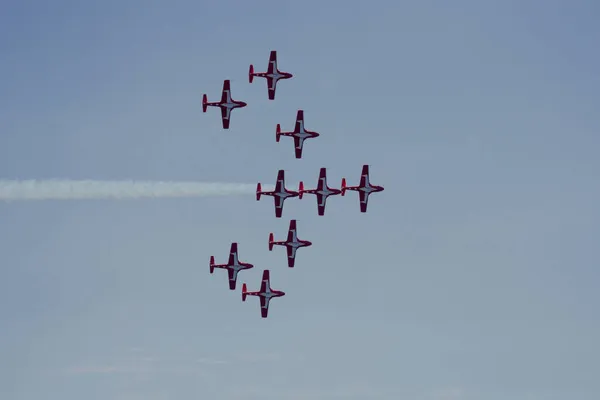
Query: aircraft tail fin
x,y
251,73
278,133
204,103
212,264
258,191
244,292
271,241
300,189
343,188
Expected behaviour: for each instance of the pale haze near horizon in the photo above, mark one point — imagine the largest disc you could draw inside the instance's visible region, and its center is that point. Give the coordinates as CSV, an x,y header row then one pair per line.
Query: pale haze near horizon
x,y
474,275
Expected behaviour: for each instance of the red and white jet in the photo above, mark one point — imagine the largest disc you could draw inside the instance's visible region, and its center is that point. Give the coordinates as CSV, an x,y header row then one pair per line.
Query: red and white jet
x,y
292,243
299,134
364,189
233,266
279,194
265,293
322,191
227,104
273,75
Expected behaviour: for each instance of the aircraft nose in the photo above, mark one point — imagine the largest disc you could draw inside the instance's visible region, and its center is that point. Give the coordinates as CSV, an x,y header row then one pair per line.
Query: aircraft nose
x,y
243,104
308,243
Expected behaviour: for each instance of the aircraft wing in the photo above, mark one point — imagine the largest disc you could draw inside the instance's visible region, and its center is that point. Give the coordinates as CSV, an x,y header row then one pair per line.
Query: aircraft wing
x,y
232,278
264,307
226,94
233,254
298,145
265,281
364,176
292,231
225,114
321,202
279,187
322,185
278,206
299,121
364,200
264,303
271,87
272,62
280,184
322,179
291,253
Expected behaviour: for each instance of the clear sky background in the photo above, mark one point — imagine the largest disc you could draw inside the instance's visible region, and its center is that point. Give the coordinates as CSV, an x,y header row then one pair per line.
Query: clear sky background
x,y
473,276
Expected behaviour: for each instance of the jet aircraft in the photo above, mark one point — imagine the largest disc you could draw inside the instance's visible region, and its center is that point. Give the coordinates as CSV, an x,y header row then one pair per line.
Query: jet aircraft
x,y
279,194
322,191
292,243
364,189
273,75
227,104
299,134
233,266
265,293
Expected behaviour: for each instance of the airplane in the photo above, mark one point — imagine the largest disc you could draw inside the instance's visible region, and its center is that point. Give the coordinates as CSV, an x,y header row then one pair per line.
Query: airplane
x,y
279,194
273,75
227,104
265,293
364,189
322,191
299,134
233,266
292,243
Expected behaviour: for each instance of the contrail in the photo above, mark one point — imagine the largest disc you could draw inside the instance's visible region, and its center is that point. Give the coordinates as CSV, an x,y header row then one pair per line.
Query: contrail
x,y
64,189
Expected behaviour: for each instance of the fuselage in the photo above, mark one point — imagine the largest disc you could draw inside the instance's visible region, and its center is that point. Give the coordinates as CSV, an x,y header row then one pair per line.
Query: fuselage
x,y
269,293
369,189
236,267
284,194
293,244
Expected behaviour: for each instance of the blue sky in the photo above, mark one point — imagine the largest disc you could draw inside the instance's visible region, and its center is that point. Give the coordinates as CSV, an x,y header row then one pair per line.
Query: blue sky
x,y
473,276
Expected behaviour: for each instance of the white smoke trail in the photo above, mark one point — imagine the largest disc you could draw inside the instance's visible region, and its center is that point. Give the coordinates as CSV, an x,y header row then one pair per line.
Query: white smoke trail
x,y
62,189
